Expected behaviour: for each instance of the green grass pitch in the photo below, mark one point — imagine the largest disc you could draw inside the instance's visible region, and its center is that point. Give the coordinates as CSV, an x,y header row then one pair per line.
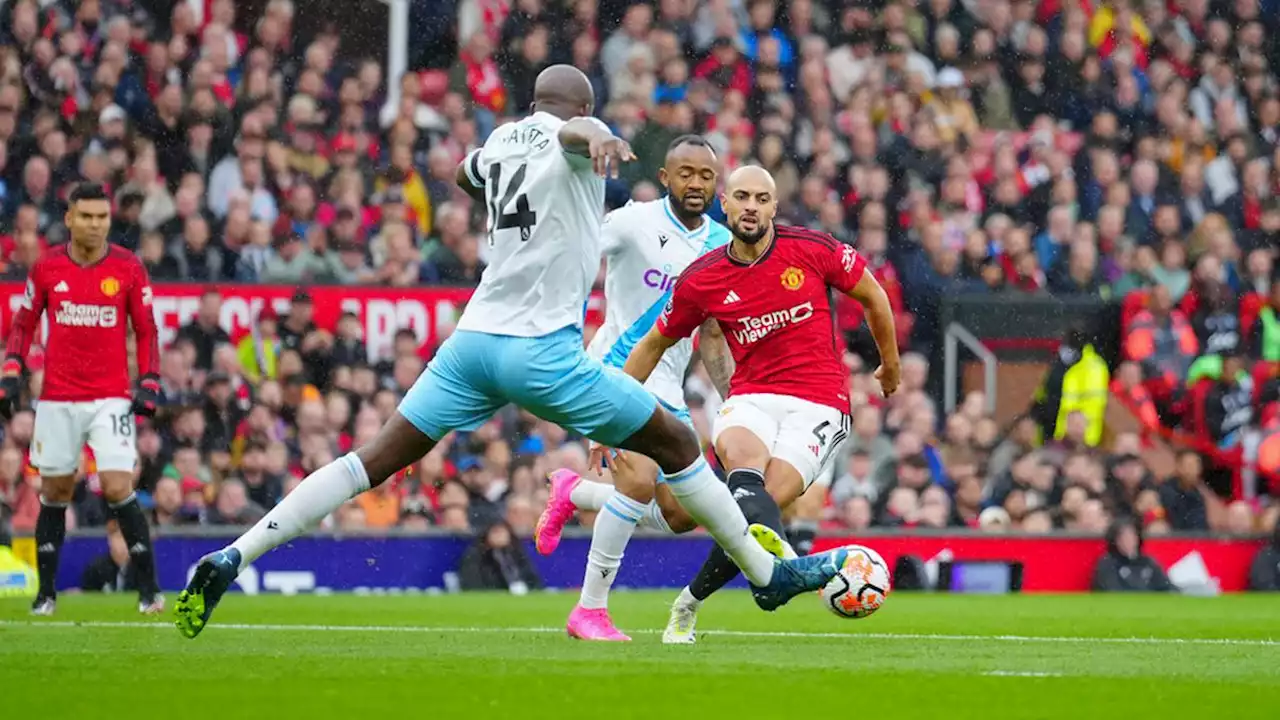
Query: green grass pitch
x,y
497,656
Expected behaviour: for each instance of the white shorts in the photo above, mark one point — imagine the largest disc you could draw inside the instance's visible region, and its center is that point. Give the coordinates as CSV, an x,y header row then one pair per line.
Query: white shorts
x,y
804,434
63,429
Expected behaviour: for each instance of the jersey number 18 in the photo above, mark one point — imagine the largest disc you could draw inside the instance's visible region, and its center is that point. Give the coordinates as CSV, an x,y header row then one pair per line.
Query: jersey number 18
x,y
524,217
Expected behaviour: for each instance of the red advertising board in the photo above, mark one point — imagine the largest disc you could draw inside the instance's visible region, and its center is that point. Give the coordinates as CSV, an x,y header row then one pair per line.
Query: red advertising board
x,y
431,312
1064,564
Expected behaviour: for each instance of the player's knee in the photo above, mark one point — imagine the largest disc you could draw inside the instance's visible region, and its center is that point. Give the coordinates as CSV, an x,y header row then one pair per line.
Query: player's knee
x,y
116,487
58,489
735,455
639,486
396,446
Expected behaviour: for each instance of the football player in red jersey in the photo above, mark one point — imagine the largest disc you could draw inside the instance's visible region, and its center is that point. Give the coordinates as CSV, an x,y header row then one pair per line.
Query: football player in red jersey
x,y
788,406
89,290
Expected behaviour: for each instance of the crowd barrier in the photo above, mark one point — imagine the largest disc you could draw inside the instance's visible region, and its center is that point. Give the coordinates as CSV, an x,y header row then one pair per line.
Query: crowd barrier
x,y
416,563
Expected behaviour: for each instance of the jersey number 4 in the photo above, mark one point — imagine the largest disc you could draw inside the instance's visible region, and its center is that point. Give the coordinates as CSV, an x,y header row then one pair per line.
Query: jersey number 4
x,y
524,217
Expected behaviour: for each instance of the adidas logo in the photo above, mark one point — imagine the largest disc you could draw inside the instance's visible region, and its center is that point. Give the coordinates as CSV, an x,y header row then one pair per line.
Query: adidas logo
x,y
61,287
731,298
46,548
138,549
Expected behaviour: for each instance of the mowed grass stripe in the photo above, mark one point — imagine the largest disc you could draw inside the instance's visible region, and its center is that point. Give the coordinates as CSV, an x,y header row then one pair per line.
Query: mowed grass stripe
x,y
269,627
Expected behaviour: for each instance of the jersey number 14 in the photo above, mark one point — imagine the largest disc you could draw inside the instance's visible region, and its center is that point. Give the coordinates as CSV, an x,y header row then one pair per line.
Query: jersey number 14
x,y
523,218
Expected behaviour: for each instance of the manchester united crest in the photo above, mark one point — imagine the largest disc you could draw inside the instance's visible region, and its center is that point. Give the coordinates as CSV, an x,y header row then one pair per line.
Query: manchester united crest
x,y
792,278
110,287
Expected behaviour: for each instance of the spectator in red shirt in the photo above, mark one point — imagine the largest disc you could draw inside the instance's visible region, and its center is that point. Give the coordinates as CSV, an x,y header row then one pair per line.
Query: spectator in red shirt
x,y
475,76
725,67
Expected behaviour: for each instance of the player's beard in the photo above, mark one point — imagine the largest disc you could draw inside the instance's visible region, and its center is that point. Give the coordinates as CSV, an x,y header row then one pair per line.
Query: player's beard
x,y
688,211
753,236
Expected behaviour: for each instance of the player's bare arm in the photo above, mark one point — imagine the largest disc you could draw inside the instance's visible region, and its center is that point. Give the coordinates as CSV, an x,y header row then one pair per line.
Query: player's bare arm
x,y
716,357
589,139
880,318
647,353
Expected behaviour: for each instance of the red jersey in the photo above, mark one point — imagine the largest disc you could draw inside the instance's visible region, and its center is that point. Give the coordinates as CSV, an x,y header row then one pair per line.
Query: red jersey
x,y
775,313
87,356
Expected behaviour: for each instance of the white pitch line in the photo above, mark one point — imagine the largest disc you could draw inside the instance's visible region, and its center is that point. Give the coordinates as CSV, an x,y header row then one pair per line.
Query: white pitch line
x,y
1017,673
418,629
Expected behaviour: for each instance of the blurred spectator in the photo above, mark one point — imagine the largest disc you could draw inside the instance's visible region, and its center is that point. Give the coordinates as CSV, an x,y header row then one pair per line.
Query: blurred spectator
x,y
233,507
259,349
1264,573
496,561
1184,496
205,330
1124,568
110,572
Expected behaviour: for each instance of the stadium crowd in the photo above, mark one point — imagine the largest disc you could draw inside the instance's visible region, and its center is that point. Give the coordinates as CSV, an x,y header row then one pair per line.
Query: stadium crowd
x,y
1095,148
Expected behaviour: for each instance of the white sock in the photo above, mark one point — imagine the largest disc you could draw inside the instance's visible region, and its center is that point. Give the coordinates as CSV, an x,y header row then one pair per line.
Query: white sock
x,y
590,494
711,504
609,537
654,520
322,492
686,599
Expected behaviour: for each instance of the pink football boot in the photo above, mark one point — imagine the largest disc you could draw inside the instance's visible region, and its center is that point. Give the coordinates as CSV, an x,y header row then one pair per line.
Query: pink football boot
x,y
546,534
593,624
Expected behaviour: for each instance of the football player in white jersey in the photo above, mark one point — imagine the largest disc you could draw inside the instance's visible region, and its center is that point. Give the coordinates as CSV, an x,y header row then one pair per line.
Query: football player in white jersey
x,y
520,341
646,246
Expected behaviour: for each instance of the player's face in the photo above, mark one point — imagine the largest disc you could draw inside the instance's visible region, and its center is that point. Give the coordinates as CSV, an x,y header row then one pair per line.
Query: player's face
x,y
750,206
89,221
690,174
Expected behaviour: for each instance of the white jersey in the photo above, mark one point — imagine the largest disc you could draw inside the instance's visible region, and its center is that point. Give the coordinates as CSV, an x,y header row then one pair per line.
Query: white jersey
x,y
545,210
647,248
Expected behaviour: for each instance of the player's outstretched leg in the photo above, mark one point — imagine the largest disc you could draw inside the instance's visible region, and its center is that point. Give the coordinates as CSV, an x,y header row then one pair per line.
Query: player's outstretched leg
x,y
396,445
675,448
123,507
572,493
51,531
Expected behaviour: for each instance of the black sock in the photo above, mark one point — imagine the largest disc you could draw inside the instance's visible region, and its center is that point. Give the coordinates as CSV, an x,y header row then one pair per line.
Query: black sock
x,y
748,491
137,537
51,530
802,534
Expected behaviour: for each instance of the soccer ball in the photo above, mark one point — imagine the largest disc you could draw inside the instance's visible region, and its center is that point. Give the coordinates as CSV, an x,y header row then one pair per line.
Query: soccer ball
x,y
860,587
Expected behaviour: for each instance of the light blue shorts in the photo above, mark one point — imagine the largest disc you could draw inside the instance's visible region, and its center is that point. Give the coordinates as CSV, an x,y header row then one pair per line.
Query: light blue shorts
x,y
474,374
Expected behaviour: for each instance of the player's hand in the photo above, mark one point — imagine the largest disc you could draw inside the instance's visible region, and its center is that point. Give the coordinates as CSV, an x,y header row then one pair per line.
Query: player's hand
x,y
621,465
595,459
607,153
146,398
888,375
10,387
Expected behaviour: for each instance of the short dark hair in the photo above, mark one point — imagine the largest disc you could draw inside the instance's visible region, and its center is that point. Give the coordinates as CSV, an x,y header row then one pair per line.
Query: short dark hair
x,y
690,139
88,191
